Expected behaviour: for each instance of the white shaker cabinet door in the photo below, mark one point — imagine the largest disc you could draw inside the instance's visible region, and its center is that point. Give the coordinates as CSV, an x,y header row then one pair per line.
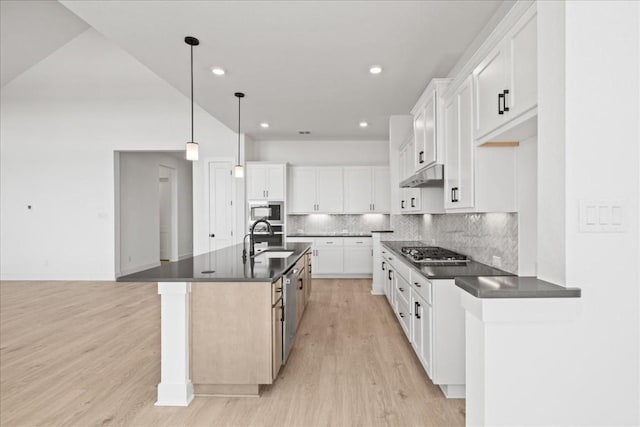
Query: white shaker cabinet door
x,y
490,83
329,260
381,190
358,260
256,182
275,182
523,64
329,190
302,190
357,190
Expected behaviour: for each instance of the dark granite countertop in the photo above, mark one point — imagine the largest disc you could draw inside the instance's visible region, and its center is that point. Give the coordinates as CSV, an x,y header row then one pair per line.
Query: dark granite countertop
x,y
329,235
514,287
472,268
382,231
223,265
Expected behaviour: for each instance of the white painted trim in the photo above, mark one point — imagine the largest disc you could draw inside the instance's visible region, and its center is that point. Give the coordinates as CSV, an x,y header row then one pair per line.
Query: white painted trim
x,y
175,388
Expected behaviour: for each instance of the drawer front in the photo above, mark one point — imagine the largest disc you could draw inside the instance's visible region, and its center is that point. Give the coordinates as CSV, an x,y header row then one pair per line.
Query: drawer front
x,y
402,291
276,290
421,285
329,242
403,269
358,241
404,316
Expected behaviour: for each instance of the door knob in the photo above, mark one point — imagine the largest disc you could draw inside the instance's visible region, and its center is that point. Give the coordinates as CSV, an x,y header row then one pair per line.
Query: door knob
x,y
212,235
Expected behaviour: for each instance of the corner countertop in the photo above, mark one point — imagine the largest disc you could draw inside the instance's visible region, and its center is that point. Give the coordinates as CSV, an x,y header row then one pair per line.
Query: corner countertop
x,y
472,268
514,287
223,265
329,235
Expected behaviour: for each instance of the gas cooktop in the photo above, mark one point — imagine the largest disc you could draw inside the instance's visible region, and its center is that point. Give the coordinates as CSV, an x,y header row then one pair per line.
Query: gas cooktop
x,y
434,255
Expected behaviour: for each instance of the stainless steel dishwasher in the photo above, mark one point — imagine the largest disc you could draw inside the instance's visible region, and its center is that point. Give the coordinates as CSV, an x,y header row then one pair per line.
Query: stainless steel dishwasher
x,y
290,318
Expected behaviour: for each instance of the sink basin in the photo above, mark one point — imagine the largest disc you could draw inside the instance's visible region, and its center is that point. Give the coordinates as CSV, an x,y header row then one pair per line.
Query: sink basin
x,y
274,254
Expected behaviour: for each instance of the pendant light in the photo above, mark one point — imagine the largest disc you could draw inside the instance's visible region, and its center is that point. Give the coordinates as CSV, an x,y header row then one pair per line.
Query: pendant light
x,y
192,146
238,170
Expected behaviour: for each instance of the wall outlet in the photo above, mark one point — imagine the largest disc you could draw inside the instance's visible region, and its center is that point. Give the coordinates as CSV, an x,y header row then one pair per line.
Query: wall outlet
x,y
496,261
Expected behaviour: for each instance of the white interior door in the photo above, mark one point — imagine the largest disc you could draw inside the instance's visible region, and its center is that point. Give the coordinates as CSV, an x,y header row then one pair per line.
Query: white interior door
x,y
221,218
165,218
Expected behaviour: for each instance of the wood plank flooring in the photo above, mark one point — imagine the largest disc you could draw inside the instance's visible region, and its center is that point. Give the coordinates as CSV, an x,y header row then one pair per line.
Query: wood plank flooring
x,y
87,354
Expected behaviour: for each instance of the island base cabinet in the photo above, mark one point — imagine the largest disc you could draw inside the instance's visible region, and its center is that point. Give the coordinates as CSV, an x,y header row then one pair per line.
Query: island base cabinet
x,y
232,337
277,323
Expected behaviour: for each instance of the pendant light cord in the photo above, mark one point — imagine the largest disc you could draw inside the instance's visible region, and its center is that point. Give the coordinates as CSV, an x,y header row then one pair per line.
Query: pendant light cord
x,y
239,130
192,140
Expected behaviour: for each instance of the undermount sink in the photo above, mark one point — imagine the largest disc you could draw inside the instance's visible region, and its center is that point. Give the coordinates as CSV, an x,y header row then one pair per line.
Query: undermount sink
x,y
274,254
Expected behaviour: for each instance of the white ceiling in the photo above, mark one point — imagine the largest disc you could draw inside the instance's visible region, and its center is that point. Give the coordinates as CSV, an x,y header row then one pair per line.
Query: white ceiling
x,y
302,64
30,31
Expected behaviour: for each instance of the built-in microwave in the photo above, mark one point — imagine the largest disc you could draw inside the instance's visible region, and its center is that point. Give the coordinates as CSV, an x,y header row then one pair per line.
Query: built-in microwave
x,y
272,211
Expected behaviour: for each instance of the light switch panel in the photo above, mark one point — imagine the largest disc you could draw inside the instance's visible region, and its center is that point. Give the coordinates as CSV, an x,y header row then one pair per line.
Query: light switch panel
x,y
601,216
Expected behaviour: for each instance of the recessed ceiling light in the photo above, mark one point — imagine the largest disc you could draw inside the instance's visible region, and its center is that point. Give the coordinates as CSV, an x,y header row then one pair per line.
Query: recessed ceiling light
x,y
375,69
264,125
364,124
217,71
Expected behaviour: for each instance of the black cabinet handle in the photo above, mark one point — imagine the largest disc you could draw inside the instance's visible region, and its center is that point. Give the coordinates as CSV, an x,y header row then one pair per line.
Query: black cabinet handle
x,y
417,284
505,92
212,235
401,315
402,204
390,274
454,194
421,157
301,283
417,310
500,103
413,202
383,264
282,313
401,289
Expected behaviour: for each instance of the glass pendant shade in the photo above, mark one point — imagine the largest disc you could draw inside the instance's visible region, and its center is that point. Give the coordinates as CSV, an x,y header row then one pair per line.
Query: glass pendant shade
x,y
238,171
192,151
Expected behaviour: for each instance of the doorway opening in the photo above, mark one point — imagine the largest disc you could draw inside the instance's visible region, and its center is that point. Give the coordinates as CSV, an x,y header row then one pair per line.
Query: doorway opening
x,y
168,214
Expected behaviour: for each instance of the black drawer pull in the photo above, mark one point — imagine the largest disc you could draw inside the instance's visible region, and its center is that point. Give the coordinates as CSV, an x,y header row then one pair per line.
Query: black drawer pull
x,y
417,284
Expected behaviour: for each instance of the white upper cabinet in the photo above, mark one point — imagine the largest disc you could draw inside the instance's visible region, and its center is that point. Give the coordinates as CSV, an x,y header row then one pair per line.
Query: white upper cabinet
x,y
428,147
329,190
366,189
381,189
302,190
358,190
505,81
265,181
315,190
460,147
477,179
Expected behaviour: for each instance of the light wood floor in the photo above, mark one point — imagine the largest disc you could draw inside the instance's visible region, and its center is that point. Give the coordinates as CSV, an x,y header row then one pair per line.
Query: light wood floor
x,y
87,354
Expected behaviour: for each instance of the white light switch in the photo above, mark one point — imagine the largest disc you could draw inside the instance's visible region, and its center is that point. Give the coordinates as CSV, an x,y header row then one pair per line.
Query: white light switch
x,y
598,216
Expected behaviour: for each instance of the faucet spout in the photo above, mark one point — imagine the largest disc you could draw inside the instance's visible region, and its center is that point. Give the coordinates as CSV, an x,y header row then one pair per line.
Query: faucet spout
x,y
252,240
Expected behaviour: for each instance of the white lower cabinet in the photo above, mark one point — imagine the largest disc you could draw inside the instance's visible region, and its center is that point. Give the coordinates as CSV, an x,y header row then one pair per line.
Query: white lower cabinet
x,y
431,316
421,324
329,260
340,256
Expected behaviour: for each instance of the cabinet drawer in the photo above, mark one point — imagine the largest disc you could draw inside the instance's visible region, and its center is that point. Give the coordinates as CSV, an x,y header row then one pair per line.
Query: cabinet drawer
x,y
324,241
276,291
421,285
402,269
358,241
402,291
404,316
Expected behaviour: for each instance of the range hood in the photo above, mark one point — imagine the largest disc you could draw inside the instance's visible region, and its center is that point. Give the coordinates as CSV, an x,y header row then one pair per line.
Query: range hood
x,y
432,176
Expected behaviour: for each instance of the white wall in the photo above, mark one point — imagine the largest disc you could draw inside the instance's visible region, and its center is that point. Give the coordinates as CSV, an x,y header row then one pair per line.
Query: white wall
x,y
60,123
139,198
589,111
303,152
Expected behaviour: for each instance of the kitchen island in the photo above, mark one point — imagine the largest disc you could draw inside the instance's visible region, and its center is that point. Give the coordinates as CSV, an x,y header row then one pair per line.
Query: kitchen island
x,y
222,317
